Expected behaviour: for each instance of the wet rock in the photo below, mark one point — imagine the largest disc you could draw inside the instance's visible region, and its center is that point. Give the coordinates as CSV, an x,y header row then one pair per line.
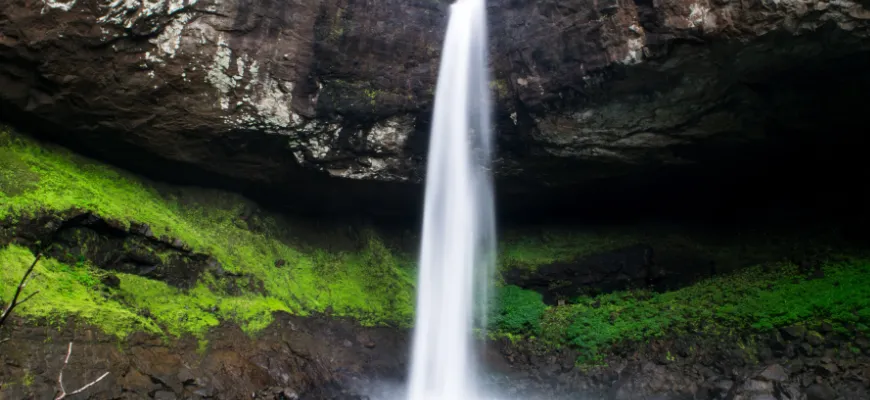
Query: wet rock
x,y
758,386
794,332
820,391
111,281
795,366
186,376
815,339
778,342
827,369
765,354
774,373
164,395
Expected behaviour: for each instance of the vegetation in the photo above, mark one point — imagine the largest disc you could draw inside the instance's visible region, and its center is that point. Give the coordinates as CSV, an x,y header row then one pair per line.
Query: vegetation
x,y
372,284
753,299
518,311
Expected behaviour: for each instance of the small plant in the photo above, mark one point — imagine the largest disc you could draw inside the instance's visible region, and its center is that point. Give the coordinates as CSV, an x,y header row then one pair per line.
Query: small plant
x,y
517,310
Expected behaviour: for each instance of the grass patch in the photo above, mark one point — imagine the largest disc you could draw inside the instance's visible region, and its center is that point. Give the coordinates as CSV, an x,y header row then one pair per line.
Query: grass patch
x,y
752,299
370,283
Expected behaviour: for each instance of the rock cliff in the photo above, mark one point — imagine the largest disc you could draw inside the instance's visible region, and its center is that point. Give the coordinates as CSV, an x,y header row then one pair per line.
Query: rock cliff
x,y
287,93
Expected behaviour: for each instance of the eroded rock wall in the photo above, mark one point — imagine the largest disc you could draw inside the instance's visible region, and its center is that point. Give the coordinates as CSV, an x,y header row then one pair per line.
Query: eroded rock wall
x,y
263,91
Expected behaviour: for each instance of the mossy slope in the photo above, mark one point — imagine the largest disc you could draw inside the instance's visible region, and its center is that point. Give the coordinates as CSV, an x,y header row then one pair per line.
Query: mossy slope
x,y
370,284
754,299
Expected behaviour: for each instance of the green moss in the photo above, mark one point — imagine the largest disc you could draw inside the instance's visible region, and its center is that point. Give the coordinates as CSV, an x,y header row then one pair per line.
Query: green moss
x,y
337,29
501,87
15,175
368,284
753,299
27,380
66,291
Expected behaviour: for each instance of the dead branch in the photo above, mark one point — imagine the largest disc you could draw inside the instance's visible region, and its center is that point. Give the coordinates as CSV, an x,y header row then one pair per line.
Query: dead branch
x,y
63,392
15,303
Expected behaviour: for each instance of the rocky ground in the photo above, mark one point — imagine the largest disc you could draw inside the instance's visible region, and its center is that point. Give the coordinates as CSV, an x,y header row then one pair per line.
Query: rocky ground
x,y
322,358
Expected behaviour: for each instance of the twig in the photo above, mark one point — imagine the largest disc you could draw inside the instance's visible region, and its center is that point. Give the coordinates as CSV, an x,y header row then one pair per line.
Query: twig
x,y
63,392
14,303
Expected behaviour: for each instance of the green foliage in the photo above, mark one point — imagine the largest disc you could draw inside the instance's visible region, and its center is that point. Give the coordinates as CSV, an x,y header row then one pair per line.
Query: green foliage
x,y
367,284
753,299
517,310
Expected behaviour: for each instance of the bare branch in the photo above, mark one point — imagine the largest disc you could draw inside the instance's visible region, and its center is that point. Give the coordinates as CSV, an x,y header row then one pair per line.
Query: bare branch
x,y
83,388
14,303
27,298
63,392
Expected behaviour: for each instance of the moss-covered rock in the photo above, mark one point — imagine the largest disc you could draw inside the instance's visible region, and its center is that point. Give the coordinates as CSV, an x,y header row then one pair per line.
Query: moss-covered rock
x,y
227,264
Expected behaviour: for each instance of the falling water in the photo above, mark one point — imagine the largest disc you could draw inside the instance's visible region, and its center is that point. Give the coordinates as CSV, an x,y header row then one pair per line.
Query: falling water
x,y
458,225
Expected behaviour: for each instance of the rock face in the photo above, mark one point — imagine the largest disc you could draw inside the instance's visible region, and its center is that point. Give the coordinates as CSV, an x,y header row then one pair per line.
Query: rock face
x,y
279,92
298,355
319,359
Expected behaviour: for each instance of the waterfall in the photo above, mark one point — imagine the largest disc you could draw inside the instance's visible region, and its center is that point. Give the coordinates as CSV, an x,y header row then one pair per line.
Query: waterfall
x,y
458,243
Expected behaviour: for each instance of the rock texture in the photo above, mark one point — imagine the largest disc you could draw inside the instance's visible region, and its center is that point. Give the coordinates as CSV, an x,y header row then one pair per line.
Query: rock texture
x,y
297,355
281,92
318,358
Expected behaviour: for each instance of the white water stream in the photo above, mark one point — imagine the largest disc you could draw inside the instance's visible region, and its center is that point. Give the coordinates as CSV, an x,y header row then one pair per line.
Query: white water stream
x,y
458,244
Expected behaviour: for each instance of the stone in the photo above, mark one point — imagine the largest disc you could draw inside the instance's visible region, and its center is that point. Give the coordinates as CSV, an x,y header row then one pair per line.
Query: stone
x,y
774,373
186,376
796,365
778,342
794,332
111,280
815,339
758,386
827,369
820,391
164,395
